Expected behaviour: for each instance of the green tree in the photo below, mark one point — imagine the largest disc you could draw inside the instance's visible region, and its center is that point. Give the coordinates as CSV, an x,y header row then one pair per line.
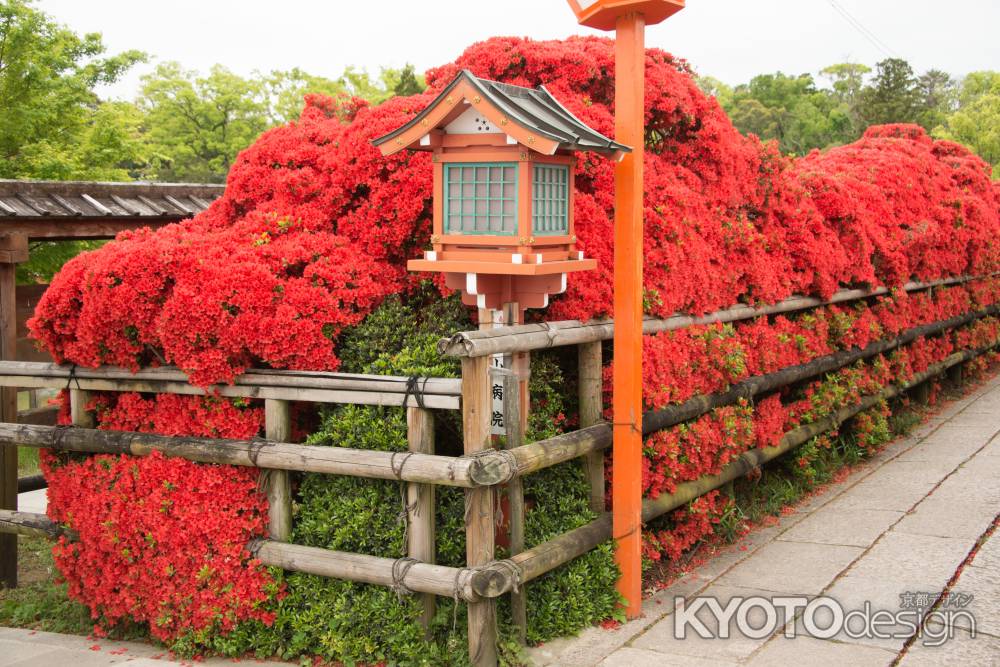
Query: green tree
x,y
847,80
722,92
390,82
408,83
938,97
52,124
195,125
976,123
893,96
790,110
286,92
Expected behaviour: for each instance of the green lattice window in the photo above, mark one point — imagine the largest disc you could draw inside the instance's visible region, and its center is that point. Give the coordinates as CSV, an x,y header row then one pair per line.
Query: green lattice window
x,y
480,198
550,200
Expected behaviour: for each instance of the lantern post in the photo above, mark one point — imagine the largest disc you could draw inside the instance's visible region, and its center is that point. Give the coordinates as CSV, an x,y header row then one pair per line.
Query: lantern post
x,y
628,18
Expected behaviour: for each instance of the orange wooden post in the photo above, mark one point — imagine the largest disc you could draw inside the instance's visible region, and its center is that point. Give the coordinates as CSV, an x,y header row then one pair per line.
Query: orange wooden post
x,y
626,489
629,19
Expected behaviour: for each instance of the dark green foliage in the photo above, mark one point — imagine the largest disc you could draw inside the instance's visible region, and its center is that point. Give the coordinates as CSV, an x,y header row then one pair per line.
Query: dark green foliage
x,y
403,335
359,623
893,96
47,257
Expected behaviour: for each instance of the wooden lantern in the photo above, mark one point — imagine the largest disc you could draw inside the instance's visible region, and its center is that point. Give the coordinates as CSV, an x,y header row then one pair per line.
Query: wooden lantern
x,y
503,189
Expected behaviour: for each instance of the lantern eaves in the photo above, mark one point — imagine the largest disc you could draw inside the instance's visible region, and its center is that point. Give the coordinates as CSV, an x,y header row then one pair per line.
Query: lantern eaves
x,y
534,111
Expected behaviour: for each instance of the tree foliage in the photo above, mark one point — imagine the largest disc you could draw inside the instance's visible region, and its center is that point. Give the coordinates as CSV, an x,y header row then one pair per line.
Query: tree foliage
x,y
976,123
52,123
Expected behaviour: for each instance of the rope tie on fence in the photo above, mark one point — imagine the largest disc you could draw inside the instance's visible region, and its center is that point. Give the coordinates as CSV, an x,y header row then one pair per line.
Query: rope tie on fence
x,y
254,547
513,569
551,332
412,390
505,455
405,508
400,568
71,378
257,443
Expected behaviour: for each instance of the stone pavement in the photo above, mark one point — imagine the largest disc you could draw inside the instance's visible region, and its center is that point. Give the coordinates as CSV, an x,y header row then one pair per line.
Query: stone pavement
x,y
26,648
894,534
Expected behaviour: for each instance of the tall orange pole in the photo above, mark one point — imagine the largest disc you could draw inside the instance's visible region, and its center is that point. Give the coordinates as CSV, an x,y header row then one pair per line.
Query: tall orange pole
x,y
626,487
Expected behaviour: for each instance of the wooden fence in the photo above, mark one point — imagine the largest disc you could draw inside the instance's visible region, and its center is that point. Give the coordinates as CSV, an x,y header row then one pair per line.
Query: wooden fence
x,y
481,470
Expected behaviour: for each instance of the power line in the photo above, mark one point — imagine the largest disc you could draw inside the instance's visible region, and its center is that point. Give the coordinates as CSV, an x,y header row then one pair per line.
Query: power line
x,y
865,32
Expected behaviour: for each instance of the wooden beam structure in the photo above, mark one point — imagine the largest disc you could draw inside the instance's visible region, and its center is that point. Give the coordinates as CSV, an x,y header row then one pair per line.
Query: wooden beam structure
x,y
543,335
81,210
13,249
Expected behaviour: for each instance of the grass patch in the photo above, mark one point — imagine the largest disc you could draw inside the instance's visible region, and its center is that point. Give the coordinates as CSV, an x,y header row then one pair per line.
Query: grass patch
x,y
38,603
27,461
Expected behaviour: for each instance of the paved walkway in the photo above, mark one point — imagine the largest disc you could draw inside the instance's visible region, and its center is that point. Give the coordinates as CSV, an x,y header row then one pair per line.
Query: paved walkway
x,y
26,648
895,533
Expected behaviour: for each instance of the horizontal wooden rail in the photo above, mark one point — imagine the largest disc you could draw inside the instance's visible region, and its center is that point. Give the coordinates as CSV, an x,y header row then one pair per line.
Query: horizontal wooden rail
x,y
543,335
32,525
31,483
317,387
567,446
657,420
402,573
544,557
462,471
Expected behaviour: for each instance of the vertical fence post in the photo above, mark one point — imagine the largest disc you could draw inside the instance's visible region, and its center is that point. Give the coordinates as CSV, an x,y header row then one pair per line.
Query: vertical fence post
x,y
515,497
956,375
477,408
278,427
591,403
78,399
15,249
420,500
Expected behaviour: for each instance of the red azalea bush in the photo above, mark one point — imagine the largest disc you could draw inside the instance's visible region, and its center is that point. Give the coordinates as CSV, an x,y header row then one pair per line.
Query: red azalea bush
x,y
161,541
313,232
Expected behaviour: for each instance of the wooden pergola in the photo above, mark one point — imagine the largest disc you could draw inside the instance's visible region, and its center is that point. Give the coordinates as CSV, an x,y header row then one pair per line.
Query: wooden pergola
x,y
66,211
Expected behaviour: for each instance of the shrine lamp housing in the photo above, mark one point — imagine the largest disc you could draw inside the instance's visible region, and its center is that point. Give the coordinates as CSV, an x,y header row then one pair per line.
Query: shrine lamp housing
x,y
503,159
603,14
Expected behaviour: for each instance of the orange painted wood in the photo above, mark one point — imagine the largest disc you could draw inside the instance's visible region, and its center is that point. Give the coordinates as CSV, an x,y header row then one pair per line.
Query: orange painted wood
x,y
501,268
449,108
626,489
602,14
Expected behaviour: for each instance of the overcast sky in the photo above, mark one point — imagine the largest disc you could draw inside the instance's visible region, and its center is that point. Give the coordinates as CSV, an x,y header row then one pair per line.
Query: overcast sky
x,y
729,39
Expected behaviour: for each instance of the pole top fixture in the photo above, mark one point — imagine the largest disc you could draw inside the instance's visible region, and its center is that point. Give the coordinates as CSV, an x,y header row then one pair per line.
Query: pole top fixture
x,y
602,14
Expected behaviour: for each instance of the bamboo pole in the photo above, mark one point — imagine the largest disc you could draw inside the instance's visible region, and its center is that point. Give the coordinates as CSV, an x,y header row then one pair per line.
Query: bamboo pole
x,y
591,386
420,502
546,556
479,517
278,428
515,498
573,332
427,468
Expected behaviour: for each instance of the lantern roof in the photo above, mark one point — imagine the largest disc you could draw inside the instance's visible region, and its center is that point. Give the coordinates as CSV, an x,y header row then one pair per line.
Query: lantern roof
x,y
531,116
